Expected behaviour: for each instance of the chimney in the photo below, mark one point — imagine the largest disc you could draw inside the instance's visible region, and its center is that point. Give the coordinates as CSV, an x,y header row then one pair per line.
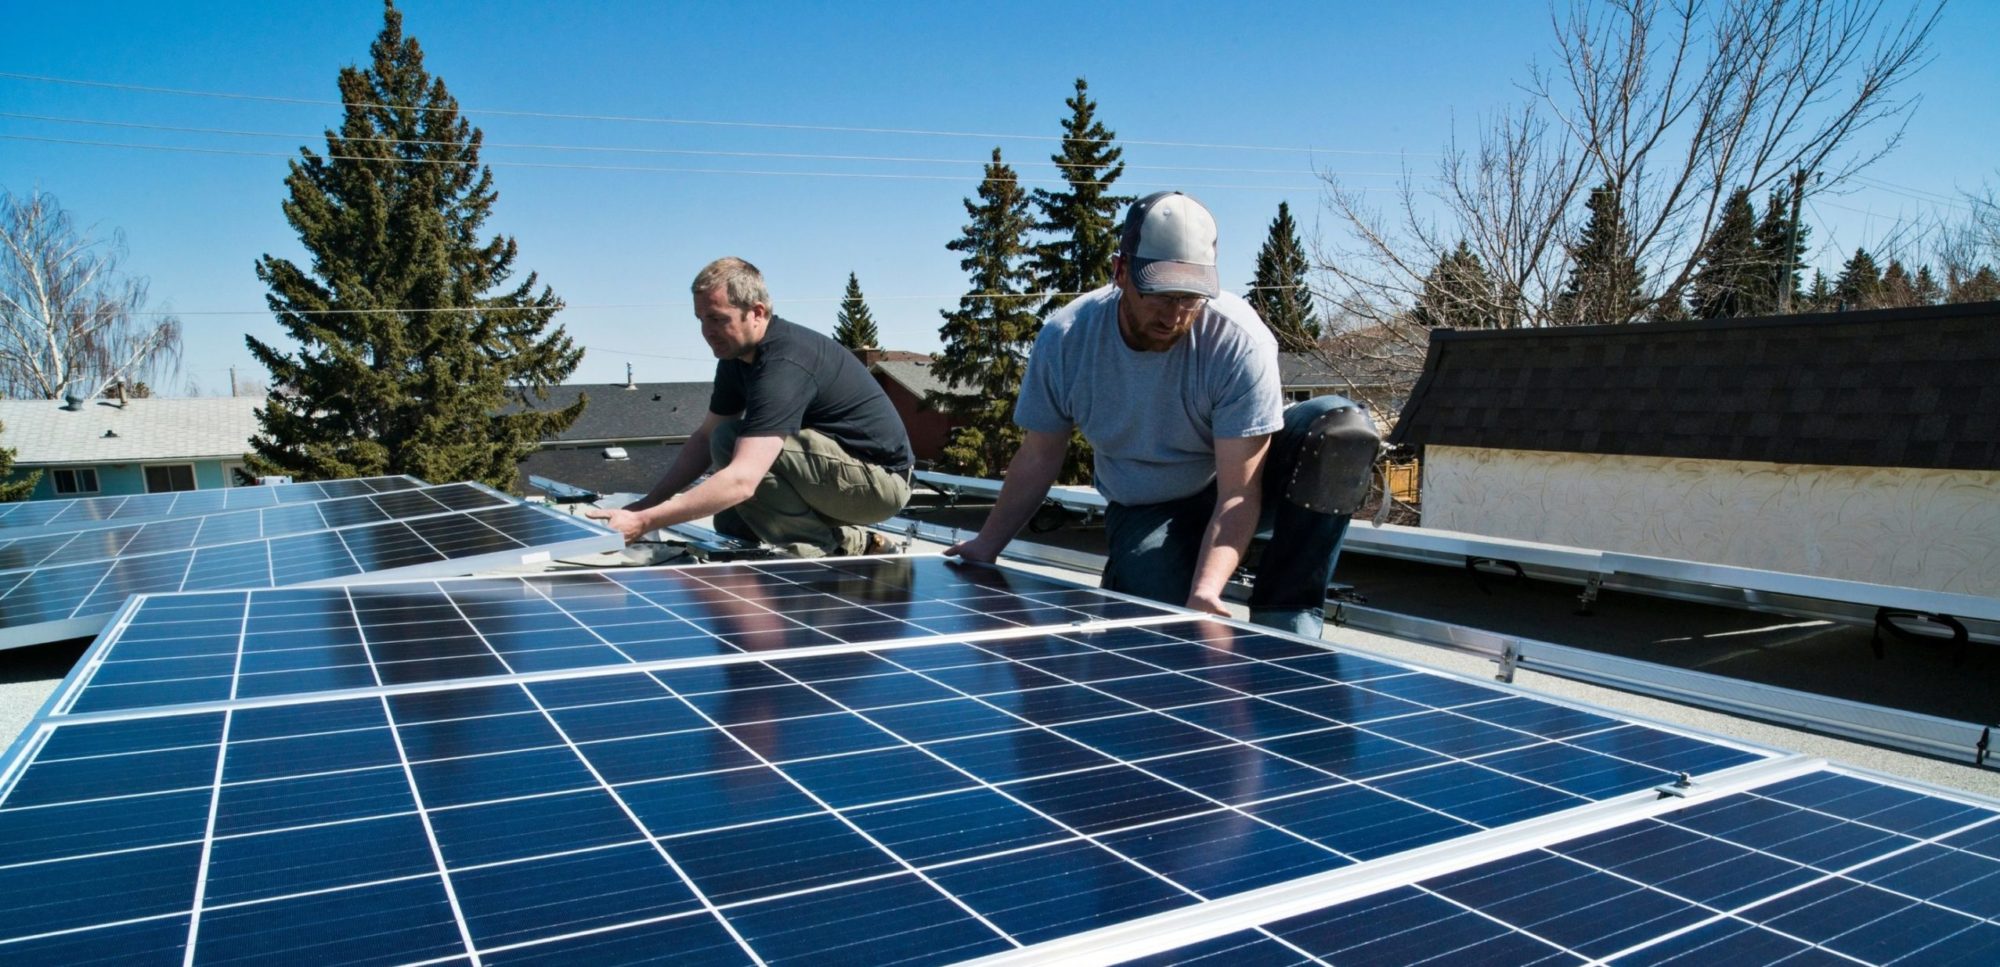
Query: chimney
x,y
869,357
121,394
628,377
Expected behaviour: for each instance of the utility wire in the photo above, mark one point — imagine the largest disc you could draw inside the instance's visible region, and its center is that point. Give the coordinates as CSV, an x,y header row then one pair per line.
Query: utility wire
x,y
657,169
765,125
803,156
805,300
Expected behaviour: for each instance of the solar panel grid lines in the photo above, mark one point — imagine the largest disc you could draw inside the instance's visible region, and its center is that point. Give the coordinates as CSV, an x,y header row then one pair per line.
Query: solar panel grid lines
x,y
592,604
29,518
462,527
993,790
1633,894
1138,941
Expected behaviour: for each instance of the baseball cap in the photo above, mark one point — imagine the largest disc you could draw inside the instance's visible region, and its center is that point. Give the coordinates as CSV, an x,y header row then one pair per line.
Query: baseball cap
x,y
1169,245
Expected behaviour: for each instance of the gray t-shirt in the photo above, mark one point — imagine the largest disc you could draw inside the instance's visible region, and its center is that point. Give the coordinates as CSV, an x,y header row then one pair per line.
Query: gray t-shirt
x,y
1152,417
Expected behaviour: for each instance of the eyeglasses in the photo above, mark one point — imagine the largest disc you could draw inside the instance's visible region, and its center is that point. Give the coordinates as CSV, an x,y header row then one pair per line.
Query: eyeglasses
x,y
1176,299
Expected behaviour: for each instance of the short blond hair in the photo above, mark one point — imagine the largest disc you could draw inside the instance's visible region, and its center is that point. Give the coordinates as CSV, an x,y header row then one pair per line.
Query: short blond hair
x,y
738,279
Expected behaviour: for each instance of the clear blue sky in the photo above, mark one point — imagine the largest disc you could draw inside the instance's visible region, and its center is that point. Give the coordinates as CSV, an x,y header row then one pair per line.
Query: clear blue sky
x,y
1358,88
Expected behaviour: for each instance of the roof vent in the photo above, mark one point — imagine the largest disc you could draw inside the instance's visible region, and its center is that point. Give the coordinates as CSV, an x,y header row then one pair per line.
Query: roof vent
x,y
628,377
616,453
72,402
110,434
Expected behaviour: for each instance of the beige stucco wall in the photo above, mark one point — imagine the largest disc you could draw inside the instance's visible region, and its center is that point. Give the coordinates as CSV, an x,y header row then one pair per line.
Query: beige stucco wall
x,y
1937,529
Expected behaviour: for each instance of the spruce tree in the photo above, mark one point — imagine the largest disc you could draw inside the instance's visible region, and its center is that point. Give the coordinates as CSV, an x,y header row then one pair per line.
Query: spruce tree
x,y
1898,290
1781,254
1279,292
408,359
1080,222
1458,293
1982,285
987,338
854,327
1860,282
12,490
1604,276
1819,298
1926,289
1728,280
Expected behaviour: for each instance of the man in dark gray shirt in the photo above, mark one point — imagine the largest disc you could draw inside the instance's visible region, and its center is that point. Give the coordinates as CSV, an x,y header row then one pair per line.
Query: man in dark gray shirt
x,y
807,447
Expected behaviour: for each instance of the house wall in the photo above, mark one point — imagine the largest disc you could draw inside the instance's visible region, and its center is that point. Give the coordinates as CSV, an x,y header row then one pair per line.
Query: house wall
x,y
120,479
929,430
1936,529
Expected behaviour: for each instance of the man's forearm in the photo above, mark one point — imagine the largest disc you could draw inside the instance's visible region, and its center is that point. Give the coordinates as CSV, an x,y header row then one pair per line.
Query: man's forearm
x,y
718,493
1224,543
688,466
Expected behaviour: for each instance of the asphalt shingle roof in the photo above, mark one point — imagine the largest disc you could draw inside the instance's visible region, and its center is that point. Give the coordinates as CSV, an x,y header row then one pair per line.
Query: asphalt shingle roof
x,y
41,432
1885,388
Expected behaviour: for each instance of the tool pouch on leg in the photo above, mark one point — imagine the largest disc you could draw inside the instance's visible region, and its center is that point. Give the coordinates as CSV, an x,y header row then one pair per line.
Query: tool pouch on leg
x,y
1335,462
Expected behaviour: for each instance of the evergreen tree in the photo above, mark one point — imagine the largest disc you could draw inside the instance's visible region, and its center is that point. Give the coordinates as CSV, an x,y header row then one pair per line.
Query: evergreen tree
x,y
1775,241
1458,293
1982,285
854,327
987,338
1081,221
1859,284
1926,288
1279,292
1898,288
1604,276
407,360
12,490
1729,278
1820,297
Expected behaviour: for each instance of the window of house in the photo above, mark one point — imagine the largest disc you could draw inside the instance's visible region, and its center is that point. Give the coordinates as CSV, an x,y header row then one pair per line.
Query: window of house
x,y
173,476
74,480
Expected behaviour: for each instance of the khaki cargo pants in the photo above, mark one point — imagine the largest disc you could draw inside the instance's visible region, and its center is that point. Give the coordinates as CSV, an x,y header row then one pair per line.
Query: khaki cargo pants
x,y
815,495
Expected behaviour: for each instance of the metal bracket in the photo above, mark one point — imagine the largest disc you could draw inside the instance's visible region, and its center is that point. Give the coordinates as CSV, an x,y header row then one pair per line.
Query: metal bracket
x,y
1589,595
1510,659
1682,787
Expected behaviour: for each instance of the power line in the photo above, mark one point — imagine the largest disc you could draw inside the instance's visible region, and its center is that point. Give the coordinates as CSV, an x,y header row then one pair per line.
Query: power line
x,y
811,300
656,169
609,149
760,125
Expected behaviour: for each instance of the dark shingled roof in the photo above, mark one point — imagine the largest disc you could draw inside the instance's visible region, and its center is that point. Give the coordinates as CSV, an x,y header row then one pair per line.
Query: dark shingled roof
x,y
651,411
586,467
1886,388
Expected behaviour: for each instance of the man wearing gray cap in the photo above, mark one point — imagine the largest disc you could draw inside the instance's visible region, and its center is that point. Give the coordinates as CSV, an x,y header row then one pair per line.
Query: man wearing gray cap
x,y
1175,384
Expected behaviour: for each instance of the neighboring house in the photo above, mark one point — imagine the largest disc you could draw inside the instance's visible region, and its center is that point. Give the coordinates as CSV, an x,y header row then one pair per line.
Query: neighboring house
x,y
1860,445
907,379
109,447
625,440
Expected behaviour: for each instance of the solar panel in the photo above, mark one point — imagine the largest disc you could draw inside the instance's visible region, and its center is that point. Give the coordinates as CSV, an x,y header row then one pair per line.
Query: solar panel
x,y
62,585
33,517
889,761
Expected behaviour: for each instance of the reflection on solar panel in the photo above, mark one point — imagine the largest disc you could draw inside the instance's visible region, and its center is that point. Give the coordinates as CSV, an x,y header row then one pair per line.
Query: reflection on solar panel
x,y
83,513
62,585
861,761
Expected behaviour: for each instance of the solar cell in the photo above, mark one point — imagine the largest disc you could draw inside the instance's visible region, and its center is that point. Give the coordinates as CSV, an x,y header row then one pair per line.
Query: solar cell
x,y
29,518
704,763
60,585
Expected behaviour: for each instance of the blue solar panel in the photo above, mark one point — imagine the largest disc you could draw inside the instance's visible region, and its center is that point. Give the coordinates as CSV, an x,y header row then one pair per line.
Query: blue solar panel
x,y
30,518
64,585
710,763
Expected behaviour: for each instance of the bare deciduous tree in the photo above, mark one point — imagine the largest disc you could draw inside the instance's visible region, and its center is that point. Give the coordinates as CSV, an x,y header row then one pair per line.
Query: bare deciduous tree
x,y
72,323
1672,105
